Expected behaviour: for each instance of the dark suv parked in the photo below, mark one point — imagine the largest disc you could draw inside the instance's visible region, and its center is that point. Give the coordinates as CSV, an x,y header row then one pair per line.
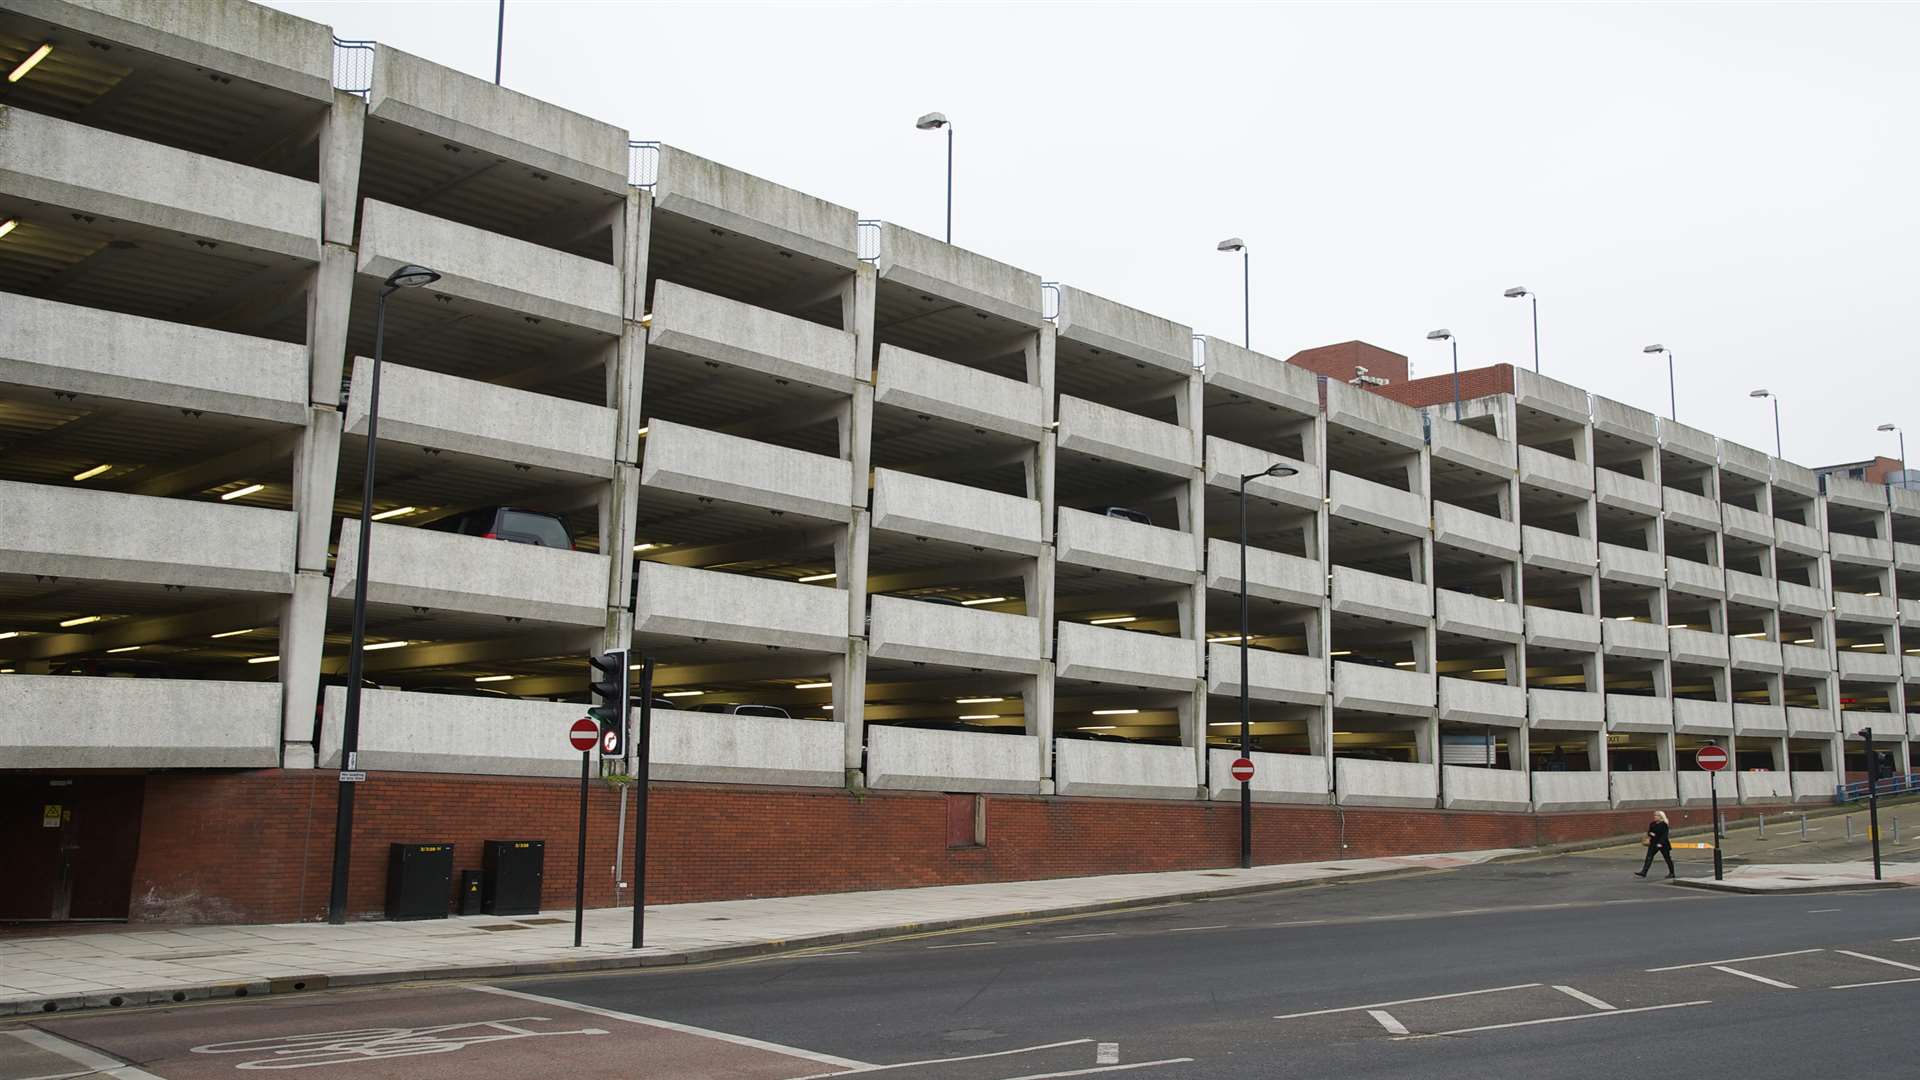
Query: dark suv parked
x,y
510,524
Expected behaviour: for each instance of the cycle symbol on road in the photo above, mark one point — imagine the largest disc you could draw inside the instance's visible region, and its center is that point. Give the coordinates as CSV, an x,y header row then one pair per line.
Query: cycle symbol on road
x,y
380,1044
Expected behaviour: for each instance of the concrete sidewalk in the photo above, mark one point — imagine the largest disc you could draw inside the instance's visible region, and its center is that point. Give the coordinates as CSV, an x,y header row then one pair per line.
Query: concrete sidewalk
x,y
140,966
1810,877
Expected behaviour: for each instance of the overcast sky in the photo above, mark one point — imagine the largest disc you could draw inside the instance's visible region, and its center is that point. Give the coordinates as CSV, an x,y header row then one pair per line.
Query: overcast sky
x,y
1738,182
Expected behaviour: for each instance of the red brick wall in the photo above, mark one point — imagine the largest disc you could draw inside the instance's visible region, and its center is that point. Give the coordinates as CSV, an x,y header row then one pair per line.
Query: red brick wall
x,y
1338,361
257,846
1438,389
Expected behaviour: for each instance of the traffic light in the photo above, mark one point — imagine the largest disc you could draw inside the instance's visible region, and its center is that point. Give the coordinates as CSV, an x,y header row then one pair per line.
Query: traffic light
x,y
607,683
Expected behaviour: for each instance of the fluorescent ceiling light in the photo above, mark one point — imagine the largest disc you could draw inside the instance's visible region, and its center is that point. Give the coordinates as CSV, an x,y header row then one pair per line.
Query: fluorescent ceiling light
x,y
682,693
33,60
642,433
1341,652
646,547
9,634
8,226
978,700
829,708
387,645
1225,723
811,578
1755,634
241,493
1869,645
88,474
1803,641
1403,663
81,621
980,716
1112,620
394,513
263,660
1222,640
125,648
232,633
814,686
1098,727
491,678
1625,618
1115,712
983,600
1489,671
1676,626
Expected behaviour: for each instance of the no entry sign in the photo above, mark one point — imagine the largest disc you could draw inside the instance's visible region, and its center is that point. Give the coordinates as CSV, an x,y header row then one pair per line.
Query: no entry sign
x,y
1710,758
1241,769
584,735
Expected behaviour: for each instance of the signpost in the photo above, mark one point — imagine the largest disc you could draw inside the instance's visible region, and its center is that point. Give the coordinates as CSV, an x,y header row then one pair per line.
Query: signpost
x,y
642,765
1242,769
1713,759
583,736
1873,799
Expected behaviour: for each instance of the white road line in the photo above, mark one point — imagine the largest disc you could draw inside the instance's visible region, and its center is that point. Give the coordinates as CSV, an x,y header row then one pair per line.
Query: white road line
x,y
1184,929
668,1025
1756,978
1394,1027
1588,998
1106,1054
1554,1020
1822,910
1907,939
1735,960
843,952
1407,1001
963,945
1878,959
84,1056
942,1061
1102,1069
1078,937
1882,982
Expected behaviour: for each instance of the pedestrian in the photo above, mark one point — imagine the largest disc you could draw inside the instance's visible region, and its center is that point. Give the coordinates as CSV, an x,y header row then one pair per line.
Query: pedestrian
x,y
1657,841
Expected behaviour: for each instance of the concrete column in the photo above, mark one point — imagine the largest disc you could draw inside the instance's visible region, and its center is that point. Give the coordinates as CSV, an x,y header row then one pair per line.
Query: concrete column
x,y
342,135
316,468
856,442
849,704
1192,709
1045,462
857,304
1040,371
1037,705
850,551
619,512
329,304
303,633
1038,580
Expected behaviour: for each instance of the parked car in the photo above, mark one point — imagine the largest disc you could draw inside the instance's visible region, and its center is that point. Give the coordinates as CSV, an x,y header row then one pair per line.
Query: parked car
x,y
1124,513
512,524
745,710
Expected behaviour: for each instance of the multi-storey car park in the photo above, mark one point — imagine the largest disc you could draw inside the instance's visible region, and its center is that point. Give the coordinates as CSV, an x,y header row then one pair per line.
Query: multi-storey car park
x,y
974,533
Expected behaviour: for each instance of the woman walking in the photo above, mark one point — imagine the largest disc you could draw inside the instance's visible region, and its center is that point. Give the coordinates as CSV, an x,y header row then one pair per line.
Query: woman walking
x,y
1657,841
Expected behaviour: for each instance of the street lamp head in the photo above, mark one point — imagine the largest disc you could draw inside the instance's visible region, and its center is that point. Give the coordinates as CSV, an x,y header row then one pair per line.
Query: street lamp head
x,y
1759,393
1886,427
1515,293
411,277
1231,243
931,122
1279,470
1654,349
1440,335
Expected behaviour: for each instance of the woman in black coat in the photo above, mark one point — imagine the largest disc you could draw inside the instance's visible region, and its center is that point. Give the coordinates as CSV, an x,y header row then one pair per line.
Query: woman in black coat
x,y
1657,840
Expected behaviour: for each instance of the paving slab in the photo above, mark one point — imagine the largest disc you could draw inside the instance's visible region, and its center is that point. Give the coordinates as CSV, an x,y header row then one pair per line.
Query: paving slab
x,y
1788,878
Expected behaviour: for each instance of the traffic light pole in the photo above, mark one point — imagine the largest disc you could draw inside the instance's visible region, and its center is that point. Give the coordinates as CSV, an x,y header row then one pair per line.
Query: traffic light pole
x,y
644,763
1873,801
580,863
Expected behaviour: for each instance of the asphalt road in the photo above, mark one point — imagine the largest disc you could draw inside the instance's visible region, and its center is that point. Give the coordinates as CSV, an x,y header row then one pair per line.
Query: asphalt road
x,y
1548,968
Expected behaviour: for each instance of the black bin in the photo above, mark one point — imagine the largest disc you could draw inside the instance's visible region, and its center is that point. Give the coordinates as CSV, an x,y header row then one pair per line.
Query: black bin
x,y
470,892
419,879
513,872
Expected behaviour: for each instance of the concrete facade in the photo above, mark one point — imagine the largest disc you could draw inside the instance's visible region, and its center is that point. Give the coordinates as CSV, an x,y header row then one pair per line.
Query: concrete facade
x,y
963,545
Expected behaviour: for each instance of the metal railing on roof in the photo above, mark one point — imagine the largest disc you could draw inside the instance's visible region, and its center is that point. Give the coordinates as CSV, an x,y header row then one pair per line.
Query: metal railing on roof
x,y
866,242
643,164
1050,301
353,66
1889,785
1199,352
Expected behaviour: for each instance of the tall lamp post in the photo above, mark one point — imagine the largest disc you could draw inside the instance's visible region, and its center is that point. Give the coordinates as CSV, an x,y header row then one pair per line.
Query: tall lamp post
x,y
1516,293
934,121
1904,482
1673,401
1234,243
1776,417
1246,722
407,277
1447,336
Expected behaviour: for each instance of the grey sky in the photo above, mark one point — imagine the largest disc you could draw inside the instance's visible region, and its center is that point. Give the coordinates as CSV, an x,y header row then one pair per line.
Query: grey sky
x,y
1738,182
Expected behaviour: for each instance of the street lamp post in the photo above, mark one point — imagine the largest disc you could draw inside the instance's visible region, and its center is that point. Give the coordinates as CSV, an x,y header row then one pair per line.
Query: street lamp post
x,y
1234,243
1447,336
1246,723
407,277
1673,401
1514,294
1776,418
933,121
1904,482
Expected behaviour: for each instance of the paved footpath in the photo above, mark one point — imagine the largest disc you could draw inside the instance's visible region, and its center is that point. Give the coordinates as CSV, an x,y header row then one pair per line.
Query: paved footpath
x,y
157,964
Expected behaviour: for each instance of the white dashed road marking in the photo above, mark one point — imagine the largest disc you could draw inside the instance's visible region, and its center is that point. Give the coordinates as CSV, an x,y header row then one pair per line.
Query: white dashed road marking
x,y
1082,937
1878,959
99,1064
1106,1054
1588,998
1407,1001
1394,1027
1184,929
1737,960
1102,1069
668,1025
1756,978
1882,982
942,1061
1554,1020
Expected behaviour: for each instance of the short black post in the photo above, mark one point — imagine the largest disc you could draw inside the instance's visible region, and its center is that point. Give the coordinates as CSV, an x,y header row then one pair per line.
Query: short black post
x,y
580,863
1713,789
644,757
1873,801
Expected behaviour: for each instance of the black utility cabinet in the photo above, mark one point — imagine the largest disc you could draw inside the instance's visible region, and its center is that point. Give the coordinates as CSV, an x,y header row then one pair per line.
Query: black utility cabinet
x,y
469,892
513,871
419,880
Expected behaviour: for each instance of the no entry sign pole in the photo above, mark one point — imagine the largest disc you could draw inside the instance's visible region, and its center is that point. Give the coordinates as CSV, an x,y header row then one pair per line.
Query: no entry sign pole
x,y
583,736
1713,759
1873,800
